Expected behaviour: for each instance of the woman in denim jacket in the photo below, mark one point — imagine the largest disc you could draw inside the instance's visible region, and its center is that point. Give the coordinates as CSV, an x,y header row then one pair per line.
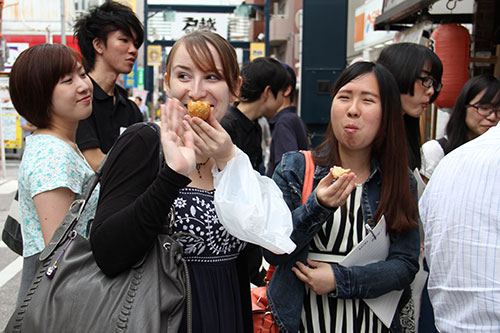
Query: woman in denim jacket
x,y
366,135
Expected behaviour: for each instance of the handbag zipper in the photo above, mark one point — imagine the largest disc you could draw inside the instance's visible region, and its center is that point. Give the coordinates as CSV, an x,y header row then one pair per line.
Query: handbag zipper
x,y
51,270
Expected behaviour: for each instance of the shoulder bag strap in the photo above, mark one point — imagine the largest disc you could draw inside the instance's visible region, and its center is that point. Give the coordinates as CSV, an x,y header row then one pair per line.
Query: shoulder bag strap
x,y
75,210
306,191
308,175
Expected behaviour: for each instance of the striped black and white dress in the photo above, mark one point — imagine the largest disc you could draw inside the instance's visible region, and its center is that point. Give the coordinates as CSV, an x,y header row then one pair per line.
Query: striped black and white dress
x,y
336,239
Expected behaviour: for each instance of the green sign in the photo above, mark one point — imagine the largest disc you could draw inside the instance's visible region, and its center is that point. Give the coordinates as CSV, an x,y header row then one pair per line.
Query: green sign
x,y
140,78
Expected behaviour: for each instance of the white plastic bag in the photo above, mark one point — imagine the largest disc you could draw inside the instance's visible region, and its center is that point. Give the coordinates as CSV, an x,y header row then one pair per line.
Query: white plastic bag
x,y
251,206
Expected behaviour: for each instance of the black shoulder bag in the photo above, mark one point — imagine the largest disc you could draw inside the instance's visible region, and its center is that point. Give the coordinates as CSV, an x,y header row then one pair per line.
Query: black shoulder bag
x,y
11,234
70,293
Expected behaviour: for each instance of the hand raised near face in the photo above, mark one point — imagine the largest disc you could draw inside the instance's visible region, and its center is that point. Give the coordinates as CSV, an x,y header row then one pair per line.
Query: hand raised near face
x,y
178,147
210,139
335,194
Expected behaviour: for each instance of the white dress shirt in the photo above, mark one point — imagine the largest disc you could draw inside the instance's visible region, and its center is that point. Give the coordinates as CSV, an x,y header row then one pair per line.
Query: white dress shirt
x,y
460,211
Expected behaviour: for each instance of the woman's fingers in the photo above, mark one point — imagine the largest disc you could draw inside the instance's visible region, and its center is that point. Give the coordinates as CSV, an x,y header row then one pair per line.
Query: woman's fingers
x,y
210,139
318,276
301,272
334,194
177,142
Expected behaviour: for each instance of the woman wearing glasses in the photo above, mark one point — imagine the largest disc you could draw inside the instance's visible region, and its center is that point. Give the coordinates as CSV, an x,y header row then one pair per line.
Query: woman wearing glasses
x,y
418,72
476,110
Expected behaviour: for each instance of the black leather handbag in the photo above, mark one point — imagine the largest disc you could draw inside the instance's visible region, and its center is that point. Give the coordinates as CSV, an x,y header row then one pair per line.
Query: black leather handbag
x,y
11,233
70,293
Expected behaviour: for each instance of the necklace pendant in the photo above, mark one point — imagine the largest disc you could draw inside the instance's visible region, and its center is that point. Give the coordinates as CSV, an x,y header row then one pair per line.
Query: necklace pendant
x,y
199,165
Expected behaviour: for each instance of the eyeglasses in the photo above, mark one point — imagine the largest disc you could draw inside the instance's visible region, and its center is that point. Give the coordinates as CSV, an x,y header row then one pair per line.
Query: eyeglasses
x,y
428,82
485,110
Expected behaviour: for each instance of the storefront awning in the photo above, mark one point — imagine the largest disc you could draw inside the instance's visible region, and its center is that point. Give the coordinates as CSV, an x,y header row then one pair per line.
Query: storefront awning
x,y
398,14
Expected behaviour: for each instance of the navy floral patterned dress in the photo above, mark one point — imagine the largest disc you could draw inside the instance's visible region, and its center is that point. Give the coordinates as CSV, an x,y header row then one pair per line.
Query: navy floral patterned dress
x,y
211,256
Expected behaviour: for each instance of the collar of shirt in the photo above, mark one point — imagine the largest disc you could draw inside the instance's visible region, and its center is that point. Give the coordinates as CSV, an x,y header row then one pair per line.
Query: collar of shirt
x,y
246,124
290,109
102,95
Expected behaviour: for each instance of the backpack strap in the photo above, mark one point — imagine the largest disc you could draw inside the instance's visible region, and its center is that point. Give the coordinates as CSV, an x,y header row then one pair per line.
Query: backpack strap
x,y
306,191
74,212
308,175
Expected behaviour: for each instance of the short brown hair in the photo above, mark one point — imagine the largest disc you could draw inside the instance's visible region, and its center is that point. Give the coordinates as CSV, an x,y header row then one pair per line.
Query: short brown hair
x,y
197,45
34,76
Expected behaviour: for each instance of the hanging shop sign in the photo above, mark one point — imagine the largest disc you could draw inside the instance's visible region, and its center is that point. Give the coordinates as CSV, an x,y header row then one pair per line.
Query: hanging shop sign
x,y
154,55
11,128
130,79
257,50
130,3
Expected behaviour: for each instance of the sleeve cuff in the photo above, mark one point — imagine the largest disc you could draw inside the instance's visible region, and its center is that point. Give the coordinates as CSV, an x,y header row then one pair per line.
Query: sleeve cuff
x,y
317,212
173,177
342,279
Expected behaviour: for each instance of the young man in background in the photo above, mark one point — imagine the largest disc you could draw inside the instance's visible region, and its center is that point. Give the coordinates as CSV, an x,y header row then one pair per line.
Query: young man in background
x,y
109,37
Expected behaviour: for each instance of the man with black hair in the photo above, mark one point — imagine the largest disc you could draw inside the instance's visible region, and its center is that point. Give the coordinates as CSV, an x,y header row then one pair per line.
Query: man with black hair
x,y
109,37
262,90
288,131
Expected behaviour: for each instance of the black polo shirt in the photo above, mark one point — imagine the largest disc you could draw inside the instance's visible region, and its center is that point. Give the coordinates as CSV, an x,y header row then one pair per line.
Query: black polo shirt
x,y
102,127
288,133
245,134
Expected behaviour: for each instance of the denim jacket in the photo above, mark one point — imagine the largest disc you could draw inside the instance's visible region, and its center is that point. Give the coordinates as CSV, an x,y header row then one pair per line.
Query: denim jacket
x,y
286,291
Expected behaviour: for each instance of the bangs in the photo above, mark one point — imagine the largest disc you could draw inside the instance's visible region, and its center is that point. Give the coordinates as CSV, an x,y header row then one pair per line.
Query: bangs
x,y
203,47
491,97
203,58
66,61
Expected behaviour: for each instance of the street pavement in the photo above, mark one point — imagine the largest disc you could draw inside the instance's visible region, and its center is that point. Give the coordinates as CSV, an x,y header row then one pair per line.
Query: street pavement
x,y
10,262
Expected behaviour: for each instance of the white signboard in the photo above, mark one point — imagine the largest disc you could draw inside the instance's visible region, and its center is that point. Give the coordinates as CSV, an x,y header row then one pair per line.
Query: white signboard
x,y
188,22
365,34
172,25
14,50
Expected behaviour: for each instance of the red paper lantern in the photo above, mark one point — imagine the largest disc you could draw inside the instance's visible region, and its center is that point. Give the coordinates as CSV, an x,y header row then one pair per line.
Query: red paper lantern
x,y
452,45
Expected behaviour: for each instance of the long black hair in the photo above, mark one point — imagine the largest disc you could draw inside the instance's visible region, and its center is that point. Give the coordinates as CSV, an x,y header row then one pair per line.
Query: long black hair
x,y
456,128
406,61
387,147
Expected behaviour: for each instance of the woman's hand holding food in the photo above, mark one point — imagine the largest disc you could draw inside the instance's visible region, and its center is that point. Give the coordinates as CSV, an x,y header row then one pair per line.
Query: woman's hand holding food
x,y
335,194
176,141
210,139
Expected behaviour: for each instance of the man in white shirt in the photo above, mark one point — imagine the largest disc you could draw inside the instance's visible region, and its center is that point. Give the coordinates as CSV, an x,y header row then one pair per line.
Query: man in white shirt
x,y
460,211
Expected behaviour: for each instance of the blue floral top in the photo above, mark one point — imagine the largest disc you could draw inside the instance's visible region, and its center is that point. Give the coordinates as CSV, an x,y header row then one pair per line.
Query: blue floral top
x,y
49,163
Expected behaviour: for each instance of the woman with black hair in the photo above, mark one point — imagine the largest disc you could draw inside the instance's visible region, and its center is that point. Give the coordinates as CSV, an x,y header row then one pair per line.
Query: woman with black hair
x,y
476,110
310,290
418,72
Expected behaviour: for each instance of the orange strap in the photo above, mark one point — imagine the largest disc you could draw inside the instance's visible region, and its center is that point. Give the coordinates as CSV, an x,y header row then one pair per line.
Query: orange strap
x,y
308,175
306,191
